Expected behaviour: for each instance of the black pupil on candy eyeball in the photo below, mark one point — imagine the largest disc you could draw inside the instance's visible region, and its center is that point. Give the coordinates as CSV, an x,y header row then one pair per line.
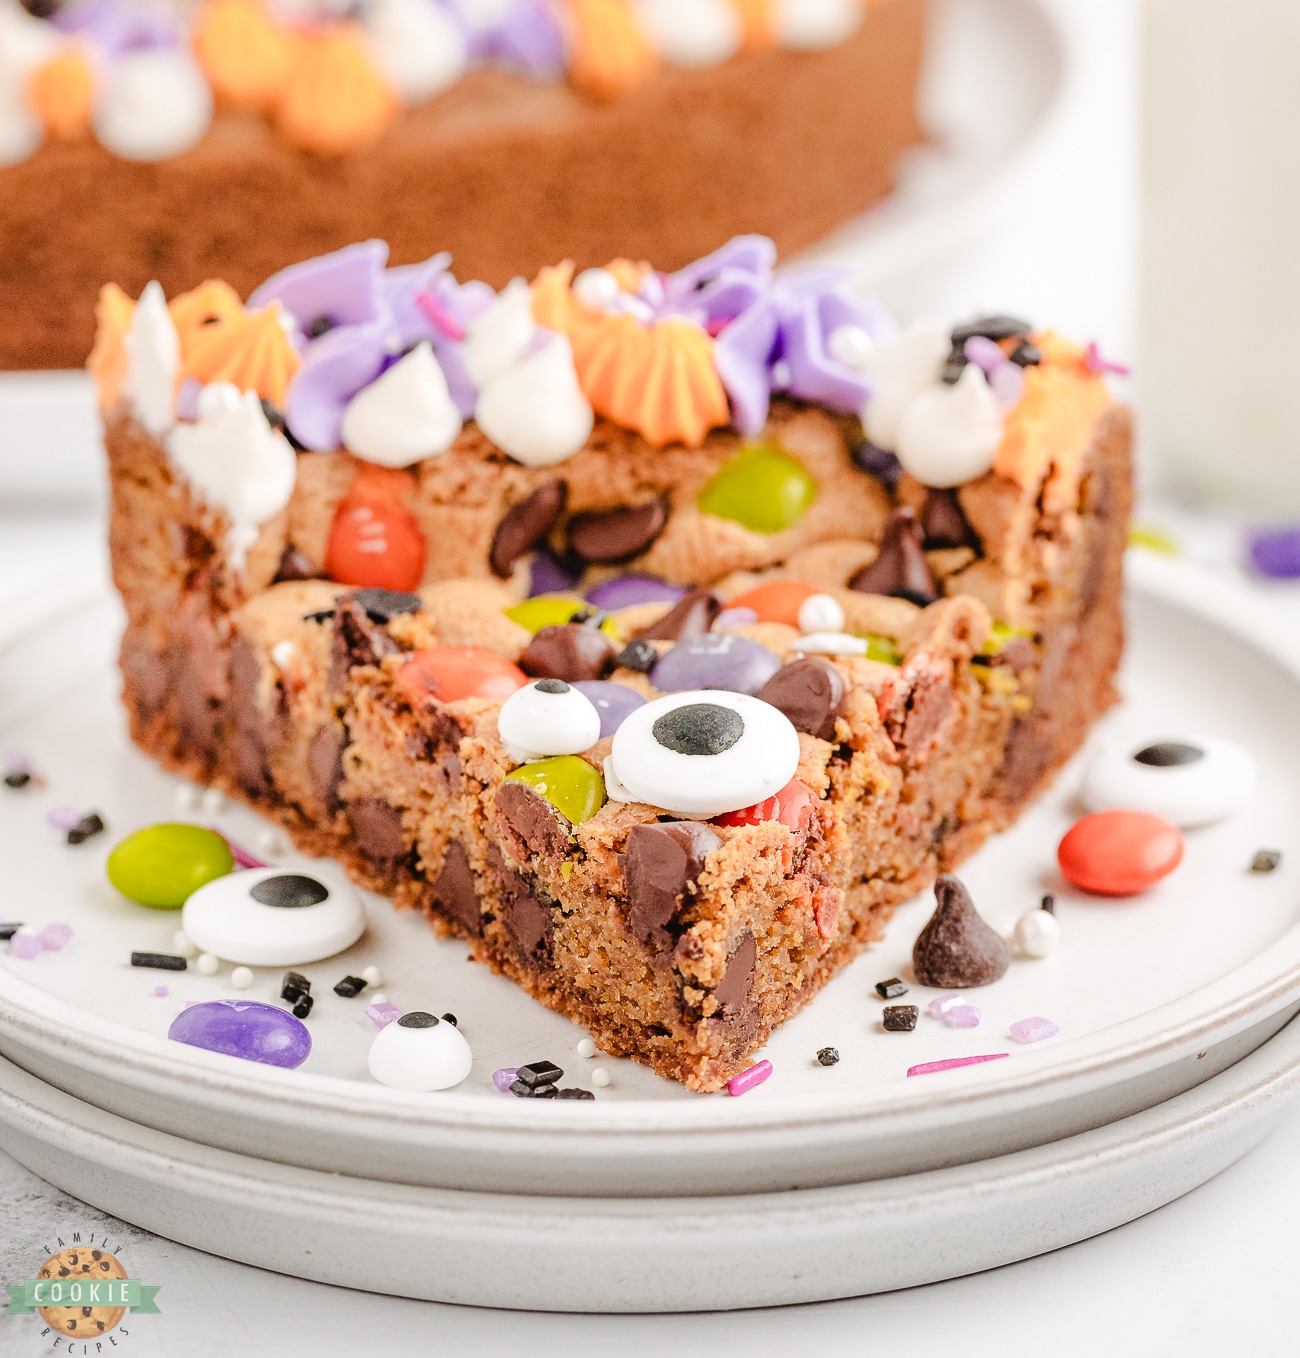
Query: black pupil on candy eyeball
x,y
552,686
417,1019
290,892
1169,755
699,728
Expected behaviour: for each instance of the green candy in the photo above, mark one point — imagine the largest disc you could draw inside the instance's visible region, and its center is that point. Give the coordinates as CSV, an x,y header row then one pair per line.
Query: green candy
x,y
163,865
1001,633
546,610
883,649
570,784
762,488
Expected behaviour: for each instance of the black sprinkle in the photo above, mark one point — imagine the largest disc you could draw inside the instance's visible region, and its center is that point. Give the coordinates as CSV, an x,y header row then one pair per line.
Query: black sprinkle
x,y
320,325
828,1056
1265,860
7,931
885,467
294,986
1049,904
638,655
539,1073
86,828
551,686
161,961
699,728
381,605
913,596
275,418
350,987
451,1018
576,1094
991,327
303,1006
1168,755
1026,355
890,989
526,1091
900,1018
954,367
417,1018
17,778
326,615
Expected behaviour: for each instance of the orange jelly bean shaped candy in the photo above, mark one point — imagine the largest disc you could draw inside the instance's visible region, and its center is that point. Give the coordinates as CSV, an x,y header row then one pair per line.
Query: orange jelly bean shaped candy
x,y
1119,853
451,672
776,601
793,806
375,539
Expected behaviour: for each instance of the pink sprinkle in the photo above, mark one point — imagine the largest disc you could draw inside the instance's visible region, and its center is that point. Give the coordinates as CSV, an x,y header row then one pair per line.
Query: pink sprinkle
x,y
734,617
962,1016
1094,362
242,857
928,1067
161,992
984,353
439,315
747,1079
940,1006
504,1078
1034,1029
717,325
17,762
381,1015
62,817
25,946
54,936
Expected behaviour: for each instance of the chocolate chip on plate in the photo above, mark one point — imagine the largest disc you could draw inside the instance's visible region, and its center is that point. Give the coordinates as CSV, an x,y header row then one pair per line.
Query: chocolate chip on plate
x,y
957,949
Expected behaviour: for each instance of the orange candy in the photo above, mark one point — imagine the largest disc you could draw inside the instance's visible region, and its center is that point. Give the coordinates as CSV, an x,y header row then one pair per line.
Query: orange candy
x,y
335,99
1119,853
452,672
62,91
793,806
375,539
776,601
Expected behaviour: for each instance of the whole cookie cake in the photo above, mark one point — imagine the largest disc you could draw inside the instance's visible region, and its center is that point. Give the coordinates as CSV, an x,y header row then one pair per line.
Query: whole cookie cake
x,y
656,633
141,139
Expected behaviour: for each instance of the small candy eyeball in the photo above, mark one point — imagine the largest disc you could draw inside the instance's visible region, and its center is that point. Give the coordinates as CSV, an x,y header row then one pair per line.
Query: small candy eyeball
x,y
704,752
1037,933
1188,779
266,917
821,613
421,1053
546,718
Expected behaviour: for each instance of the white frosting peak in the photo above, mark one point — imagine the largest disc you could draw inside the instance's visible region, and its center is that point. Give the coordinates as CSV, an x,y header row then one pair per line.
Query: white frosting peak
x,y
898,369
155,359
418,46
950,434
406,415
691,32
500,336
813,24
535,410
21,131
157,104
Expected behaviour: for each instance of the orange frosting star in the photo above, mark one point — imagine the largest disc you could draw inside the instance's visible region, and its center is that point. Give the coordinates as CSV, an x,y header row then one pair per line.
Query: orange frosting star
x,y
245,55
207,305
109,360
249,349
62,92
610,53
336,99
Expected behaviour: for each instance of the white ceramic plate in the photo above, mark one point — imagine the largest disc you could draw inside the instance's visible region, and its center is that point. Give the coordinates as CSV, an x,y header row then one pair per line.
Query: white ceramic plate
x,y
635,1254
1152,994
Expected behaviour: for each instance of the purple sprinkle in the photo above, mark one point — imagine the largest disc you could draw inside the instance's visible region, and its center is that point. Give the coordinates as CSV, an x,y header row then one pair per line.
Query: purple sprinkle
x,y
504,1078
161,992
1008,382
242,857
25,946
17,762
985,353
939,1007
1276,552
54,936
1034,1029
63,817
962,1016
381,1015
1094,362
929,1067
747,1079
187,399
731,618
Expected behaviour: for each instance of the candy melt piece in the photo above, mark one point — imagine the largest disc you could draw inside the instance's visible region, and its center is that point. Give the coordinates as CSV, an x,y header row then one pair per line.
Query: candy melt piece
x,y
450,673
421,1053
703,753
762,489
793,806
266,917
571,785
548,717
248,1029
1119,853
715,661
614,702
162,865
1188,779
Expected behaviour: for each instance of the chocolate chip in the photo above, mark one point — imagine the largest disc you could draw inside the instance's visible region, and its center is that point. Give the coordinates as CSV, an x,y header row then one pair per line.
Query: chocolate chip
x,y
357,640
539,1073
289,891
552,686
1026,355
378,829
570,652
637,655
900,1018
525,913
382,605
86,828
691,616
917,711
161,961
885,467
827,1056
1168,755
901,562
942,522
350,987
957,949
1266,860
294,566
810,692
294,986
607,535
526,524
542,828
456,890
417,1018
732,992
325,763
699,729
890,989
661,865
991,327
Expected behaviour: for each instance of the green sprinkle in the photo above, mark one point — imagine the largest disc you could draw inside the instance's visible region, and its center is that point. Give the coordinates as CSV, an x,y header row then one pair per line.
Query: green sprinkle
x,y
1000,633
1153,539
883,649
571,785
762,488
546,610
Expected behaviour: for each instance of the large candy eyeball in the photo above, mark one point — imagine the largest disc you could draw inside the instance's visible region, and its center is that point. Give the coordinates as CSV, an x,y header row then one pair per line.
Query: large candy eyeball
x,y
267,917
421,1053
547,718
702,753
1188,779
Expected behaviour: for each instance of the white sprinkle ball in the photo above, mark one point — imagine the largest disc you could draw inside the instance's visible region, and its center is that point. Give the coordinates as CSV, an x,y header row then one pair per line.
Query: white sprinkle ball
x,y
586,1049
596,288
270,841
241,978
821,613
849,344
183,945
1037,933
600,1077
208,964
372,976
282,654
213,799
188,797
378,998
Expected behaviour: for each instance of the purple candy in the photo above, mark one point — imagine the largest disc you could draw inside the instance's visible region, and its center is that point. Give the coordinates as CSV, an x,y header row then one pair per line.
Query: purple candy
x,y
54,937
549,576
715,660
161,992
626,591
244,1028
1276,552
382,1014
731,618
25,946
504,1078
962,1016
1034,1029
614,702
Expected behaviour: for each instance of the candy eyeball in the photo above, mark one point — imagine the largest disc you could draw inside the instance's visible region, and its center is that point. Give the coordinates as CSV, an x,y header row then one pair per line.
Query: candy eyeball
x,y
702,753
267,917
421,1053
546,718
1188,779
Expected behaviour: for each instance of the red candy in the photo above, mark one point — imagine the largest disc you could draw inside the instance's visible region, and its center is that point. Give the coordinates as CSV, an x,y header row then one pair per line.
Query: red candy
x,y
776,601
792,806
375,539
1119,853
451,672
